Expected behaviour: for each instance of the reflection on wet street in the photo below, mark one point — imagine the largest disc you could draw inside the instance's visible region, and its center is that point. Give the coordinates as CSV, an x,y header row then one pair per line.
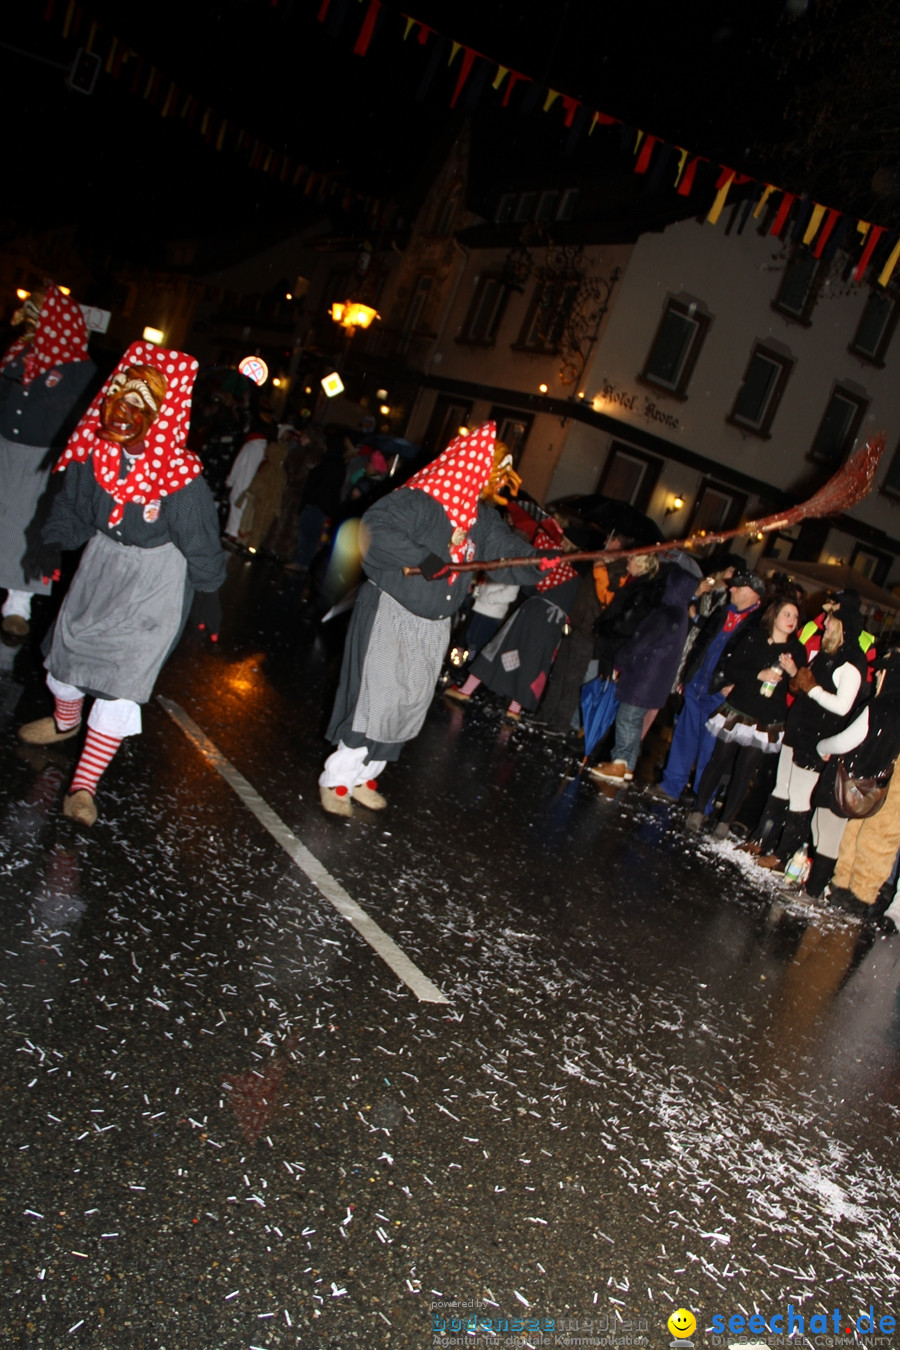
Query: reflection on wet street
x,y
658,1081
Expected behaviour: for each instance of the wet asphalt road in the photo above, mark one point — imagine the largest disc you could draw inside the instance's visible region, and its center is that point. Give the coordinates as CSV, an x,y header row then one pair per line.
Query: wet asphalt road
x,y
657,1081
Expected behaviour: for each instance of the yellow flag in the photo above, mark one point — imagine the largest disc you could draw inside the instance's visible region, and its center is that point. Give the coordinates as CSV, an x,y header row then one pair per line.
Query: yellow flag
x,y
815,221
502,72
770,188
719,203
888,270
552,96
682,160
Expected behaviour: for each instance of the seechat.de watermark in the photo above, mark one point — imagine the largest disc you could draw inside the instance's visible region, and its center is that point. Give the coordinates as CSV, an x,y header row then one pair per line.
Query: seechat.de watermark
x,y
791,1323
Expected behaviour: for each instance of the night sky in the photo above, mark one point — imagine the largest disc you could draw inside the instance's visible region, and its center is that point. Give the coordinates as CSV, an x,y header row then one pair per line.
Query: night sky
x,y
704,75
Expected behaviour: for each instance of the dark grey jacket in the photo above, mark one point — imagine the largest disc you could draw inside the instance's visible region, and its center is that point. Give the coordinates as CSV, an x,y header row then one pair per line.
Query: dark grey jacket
x,y
407,525
42,413
187,519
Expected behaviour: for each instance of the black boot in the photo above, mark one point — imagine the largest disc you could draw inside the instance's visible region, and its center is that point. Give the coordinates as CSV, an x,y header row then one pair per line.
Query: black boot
x,y
771,823
820,873
794,835
884,900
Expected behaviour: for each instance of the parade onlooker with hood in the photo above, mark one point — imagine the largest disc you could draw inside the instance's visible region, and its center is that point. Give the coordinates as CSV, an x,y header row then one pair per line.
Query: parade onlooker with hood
x,y
400,625
44,376
692,744
135,495
645,665
827,692
750,723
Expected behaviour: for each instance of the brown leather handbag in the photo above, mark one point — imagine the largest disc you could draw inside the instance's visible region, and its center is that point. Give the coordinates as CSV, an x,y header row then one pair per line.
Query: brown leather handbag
x,y
858,798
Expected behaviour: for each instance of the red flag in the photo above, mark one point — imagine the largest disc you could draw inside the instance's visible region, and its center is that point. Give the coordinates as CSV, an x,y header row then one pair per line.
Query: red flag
x,y
686,185
514,77
825,233
782,213
872,238
368,28
571,106
643,159
465,69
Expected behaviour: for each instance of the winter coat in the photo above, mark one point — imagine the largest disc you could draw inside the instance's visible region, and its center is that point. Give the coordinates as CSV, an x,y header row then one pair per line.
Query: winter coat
x,y
740,665
619,620
712,645
648,660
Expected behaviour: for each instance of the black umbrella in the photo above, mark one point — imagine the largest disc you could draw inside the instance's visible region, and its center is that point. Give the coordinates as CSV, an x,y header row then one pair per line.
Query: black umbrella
x,y
613,517
394,445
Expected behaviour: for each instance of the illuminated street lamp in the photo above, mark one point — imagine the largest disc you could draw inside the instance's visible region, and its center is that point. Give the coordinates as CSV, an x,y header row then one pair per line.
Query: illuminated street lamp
x,y
352,314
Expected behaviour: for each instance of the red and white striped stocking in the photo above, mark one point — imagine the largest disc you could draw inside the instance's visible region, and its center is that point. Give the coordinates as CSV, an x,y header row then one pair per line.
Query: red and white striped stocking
x,y
97,753
67,712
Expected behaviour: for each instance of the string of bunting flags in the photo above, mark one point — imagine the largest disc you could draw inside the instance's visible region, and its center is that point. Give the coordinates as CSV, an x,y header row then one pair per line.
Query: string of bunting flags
x,y
146,81
821,228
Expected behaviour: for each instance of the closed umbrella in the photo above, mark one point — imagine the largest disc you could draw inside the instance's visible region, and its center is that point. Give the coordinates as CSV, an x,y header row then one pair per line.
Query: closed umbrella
x,y
599,705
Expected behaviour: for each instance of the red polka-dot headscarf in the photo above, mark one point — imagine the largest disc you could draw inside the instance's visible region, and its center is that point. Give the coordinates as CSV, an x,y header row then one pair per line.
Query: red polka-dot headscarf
x,y
60,337
166,464
457,477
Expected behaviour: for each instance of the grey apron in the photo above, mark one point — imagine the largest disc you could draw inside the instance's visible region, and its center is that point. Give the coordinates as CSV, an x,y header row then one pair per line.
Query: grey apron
x,y
120,618
401,668
22,484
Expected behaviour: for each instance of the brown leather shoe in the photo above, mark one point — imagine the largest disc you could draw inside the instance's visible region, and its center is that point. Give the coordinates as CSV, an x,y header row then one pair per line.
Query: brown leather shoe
x,y
45,732
750,846
80,806
771,862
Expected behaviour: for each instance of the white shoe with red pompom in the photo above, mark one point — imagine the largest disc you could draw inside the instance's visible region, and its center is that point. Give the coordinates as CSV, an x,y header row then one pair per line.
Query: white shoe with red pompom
x,y
365,794
336,801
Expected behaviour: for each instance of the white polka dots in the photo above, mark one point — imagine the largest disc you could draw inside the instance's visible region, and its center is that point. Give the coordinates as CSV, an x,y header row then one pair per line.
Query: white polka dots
x,y
456,479
59,339
173,466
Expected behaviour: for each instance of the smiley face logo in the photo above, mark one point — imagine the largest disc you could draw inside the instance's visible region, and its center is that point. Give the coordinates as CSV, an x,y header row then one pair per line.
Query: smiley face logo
x,y
682,1324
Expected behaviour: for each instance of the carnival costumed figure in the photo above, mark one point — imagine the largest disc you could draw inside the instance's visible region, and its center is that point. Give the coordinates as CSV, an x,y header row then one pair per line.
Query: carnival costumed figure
x,y
400,626
135,492
517,661
43,377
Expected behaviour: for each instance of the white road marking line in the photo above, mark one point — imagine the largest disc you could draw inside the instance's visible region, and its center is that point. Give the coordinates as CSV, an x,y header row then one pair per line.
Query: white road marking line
x,y
308,863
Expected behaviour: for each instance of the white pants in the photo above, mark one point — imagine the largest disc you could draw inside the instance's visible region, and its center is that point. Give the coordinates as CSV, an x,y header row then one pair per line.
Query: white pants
x,y
110,716
793,784
17,602
347,768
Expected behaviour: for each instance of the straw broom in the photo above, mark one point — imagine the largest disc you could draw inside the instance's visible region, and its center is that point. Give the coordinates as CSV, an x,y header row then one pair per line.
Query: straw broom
x,y
850,485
